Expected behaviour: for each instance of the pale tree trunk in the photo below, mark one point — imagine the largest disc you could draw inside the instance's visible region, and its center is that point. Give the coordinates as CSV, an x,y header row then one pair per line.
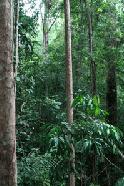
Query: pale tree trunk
x,y
69,83
7,97
90,41
45,23
46,27
45,41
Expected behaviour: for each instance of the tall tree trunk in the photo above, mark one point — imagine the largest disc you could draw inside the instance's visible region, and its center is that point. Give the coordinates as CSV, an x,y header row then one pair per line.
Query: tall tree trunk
x,y
45,22
46,5
7,97
45,47
46,27
69,83
111,58
90,41
80,45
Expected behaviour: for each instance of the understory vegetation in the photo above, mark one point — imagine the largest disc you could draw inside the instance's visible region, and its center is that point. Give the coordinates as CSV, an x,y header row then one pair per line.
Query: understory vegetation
x,y
44,137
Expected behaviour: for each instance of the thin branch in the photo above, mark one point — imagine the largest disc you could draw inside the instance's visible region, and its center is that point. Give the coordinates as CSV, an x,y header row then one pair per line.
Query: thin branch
x,y
113,164
52,23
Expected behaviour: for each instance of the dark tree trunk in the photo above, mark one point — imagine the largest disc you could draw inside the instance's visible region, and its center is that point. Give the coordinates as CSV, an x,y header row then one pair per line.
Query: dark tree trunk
x,y
90,41
80,45
111,94
111,58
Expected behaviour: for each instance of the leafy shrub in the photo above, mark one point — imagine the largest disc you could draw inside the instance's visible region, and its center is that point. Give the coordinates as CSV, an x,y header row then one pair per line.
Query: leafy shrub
x,y
34,169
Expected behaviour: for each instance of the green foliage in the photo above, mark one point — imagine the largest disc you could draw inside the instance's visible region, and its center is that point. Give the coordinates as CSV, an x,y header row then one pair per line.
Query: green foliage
x,y
97,137
91,136
34,169
90,106
43,136
120,182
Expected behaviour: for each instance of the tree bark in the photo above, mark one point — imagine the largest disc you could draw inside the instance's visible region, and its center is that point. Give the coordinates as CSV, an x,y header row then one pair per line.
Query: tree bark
x,y
69,83
7,97
90,41
45,27
45,23
80,45
16,41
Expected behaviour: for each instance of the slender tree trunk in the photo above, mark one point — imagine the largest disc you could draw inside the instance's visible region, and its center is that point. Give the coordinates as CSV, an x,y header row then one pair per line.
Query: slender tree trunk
x,y
45,27
108,177
7,97
112,53
90,41
111,94
80,46
16,42
94,169
45,41
45,22
69,83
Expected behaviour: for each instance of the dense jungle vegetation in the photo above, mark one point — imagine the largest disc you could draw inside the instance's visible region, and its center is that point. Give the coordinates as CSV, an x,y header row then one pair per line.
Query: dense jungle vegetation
x,y
68,63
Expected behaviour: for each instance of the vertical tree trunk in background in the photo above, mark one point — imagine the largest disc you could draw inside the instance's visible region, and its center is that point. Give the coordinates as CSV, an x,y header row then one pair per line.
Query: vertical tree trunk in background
x,y
45,27
80,45
16,43
111,94
90,40
7,97
45,22
69,83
